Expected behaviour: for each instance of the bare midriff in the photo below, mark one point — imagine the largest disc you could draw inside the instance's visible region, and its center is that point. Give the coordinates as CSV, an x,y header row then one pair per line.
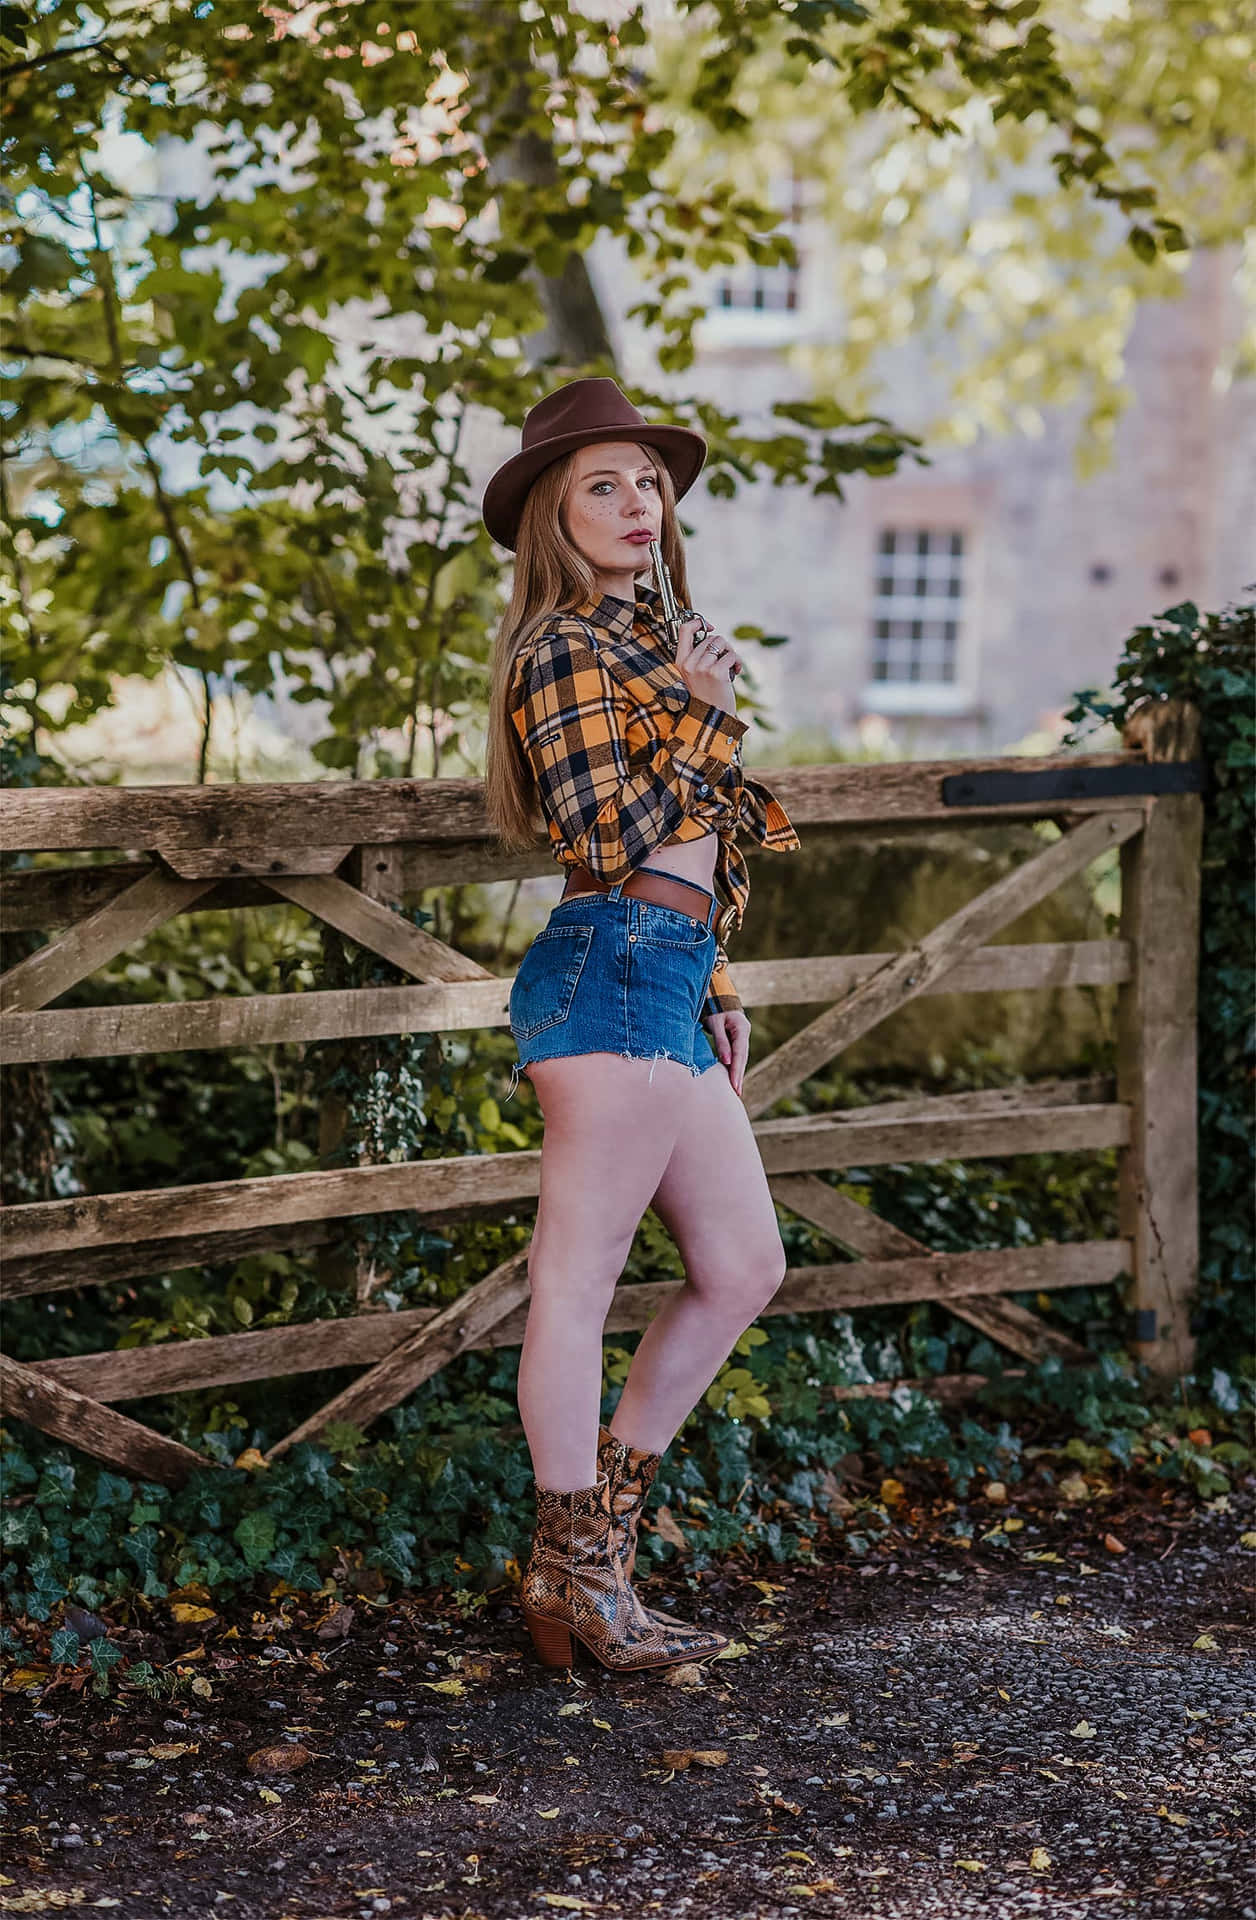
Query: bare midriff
x,y
688,859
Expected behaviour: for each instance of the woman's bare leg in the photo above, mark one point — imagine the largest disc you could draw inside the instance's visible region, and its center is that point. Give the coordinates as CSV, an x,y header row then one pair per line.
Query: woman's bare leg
x,y
610,1127
714,1200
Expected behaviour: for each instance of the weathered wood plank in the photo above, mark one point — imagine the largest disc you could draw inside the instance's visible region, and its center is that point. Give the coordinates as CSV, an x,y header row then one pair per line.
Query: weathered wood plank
x,y
28,1274
381,930
789,1145
1016,1328
931,959
863,1232
302,814
31,1394
110,1266
462,1324
1156,1047
267,1019
241,858
362,1340
144,906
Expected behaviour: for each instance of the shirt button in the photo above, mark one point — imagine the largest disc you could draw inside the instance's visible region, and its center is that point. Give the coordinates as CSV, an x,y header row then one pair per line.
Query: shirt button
x,y
704,788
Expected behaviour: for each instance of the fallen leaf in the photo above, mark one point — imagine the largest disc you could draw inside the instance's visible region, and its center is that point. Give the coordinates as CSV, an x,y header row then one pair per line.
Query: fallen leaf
x,y
735,1650
42,1899
173,1752
807,1893
572,1706
1114,1545
452,1686
267,1794
1205,1644
485,1799
1247,1539
666,1526
570,1901
604,1724
336,1625
690,1675
1178,1819
679,1758
1074,1488
189,1616
281,1759
552,1814
23,1677
1040,1859
834,1720
972,1866
1199,1437
892,1491
1083,1731
1012,1526
250,1460
202,1688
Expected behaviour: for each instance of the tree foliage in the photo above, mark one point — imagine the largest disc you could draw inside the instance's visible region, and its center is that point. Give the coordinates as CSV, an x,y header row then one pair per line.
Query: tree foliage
x,y
1015,235
269,266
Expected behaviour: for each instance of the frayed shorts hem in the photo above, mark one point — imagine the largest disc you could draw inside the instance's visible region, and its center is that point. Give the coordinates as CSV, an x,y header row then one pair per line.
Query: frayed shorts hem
x,y
660,1053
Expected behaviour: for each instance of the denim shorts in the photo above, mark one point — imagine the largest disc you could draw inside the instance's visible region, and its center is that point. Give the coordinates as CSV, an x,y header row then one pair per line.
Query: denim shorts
x,y
610,973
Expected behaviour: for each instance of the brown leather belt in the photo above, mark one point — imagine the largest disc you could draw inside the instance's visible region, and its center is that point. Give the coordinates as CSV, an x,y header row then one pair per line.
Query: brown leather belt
x,y
662,889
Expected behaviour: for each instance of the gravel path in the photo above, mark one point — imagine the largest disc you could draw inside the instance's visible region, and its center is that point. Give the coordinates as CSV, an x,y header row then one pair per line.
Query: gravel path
x,y
1037,1725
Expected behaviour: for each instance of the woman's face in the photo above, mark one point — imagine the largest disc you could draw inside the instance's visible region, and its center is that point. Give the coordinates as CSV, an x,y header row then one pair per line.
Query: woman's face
x,y
614,491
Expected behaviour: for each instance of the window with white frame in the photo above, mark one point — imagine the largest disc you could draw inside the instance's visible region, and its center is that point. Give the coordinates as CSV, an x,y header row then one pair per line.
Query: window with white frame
x,y
918,607
749,288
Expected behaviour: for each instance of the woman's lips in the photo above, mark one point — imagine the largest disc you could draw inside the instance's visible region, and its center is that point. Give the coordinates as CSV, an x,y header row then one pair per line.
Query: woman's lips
x,y
640,539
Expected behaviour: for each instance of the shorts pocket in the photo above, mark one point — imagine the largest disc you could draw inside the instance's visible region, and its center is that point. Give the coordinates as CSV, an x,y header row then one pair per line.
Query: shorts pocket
x,y
668,927
545,984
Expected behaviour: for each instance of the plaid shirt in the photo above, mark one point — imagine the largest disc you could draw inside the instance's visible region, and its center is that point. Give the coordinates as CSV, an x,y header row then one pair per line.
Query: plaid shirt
x,y
626,757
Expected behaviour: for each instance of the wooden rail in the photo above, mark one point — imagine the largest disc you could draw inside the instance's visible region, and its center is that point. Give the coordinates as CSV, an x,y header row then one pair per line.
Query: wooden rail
x,y
349,852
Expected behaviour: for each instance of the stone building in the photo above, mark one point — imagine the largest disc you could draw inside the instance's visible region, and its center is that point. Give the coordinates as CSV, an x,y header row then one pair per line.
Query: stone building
x,y
958,607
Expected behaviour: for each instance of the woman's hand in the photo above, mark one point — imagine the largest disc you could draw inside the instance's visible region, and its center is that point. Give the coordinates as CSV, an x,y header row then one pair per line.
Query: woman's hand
x,y
730,1036
707,663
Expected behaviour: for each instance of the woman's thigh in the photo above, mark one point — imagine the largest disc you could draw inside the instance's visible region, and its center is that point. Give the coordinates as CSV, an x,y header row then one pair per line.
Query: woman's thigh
x,y
713,1194
610,1127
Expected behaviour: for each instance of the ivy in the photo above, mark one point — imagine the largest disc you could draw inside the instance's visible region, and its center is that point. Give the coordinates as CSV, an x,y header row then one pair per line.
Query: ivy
x,y
1210,660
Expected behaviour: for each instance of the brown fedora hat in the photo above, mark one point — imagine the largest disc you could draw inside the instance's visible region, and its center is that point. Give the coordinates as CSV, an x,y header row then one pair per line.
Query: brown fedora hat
x,y
578,415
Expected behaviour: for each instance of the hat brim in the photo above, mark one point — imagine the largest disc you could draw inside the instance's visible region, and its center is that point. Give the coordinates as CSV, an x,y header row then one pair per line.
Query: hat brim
x,y
683,451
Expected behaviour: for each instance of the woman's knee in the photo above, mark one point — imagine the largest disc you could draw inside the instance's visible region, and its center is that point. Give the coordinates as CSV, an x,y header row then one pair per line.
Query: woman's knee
x,y
743,1282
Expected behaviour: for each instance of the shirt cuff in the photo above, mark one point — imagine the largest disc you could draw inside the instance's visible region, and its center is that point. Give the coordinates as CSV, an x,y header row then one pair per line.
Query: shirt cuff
x,y
705,738
721,994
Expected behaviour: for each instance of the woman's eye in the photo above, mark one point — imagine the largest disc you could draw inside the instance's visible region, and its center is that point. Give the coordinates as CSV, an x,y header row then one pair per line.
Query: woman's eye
x,y
648,477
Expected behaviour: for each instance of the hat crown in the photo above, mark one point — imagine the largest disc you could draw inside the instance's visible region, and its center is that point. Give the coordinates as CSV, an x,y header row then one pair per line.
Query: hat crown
x,y
582,406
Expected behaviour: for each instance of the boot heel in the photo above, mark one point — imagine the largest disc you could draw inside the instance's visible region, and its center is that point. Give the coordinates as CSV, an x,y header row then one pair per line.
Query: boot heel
x,y
552,1640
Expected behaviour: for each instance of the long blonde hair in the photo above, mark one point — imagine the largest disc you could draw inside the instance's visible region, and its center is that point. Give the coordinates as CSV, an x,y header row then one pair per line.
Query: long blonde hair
x,y
551,576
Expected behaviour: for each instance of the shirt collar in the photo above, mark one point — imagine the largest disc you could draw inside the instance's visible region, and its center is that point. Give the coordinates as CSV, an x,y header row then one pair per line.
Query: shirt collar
x,y
624,618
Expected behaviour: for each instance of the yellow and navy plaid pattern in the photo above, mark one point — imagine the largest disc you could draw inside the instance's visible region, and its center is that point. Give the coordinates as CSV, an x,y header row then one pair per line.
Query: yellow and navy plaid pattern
x,y
626,757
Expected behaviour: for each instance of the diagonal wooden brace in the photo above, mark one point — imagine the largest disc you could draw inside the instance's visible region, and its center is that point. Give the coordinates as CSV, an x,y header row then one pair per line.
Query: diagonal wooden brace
x,y
910,973
371,925
460,1326
863,1232
92,942
95,1429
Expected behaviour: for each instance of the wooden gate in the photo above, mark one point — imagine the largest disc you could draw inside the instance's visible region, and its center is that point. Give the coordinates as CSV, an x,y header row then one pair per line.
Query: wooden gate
x,y
346,850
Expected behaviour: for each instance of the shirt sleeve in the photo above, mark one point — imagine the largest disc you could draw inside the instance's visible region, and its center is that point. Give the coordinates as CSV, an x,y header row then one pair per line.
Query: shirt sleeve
x,y
614,806
721,994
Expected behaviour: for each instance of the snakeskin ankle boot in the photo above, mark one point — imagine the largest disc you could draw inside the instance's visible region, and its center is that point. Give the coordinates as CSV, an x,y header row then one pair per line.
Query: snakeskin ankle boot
x,y
574,1590
631,1472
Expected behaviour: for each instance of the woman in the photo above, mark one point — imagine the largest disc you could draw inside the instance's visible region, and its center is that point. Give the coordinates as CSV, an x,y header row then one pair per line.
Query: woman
x,y
632,753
